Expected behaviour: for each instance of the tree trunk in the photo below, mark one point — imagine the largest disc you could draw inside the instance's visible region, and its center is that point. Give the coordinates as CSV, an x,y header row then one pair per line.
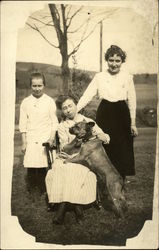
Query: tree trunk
x,y
63,46
65,74
65,66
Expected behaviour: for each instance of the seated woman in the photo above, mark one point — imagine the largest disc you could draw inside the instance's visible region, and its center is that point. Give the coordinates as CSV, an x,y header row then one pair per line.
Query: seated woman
x,y
66,183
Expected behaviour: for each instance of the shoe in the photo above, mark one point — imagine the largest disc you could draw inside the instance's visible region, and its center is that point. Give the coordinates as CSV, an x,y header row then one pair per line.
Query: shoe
x,y
50,207
126,181
98,205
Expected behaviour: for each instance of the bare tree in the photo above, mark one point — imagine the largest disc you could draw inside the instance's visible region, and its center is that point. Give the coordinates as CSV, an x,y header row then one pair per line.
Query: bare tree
x,y
61,20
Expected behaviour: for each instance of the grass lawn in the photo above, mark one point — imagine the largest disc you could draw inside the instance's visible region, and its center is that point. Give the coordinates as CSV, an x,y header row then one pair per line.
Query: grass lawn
x,y
99,227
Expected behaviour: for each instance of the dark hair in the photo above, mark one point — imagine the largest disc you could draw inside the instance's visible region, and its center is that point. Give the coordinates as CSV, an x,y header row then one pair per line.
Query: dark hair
x,y
62,98
115,50
37,75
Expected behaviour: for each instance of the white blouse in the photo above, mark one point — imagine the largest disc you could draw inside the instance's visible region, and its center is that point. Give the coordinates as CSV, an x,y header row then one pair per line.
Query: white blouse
x,y
112,88
38,118
63,129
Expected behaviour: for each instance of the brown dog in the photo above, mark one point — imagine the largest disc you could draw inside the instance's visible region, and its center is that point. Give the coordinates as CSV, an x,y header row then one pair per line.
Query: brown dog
x,y
93,155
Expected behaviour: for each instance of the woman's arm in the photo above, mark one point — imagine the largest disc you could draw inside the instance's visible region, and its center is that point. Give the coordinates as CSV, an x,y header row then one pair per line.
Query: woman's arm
x,y
23,117
23,125
132,105
63,137
54,121
65,144
89,93
24,143
97,131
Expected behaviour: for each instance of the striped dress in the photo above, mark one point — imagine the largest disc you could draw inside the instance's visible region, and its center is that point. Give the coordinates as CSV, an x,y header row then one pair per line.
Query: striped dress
x,y
70,182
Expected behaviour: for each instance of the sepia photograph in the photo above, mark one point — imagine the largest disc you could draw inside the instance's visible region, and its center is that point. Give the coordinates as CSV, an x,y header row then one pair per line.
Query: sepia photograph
x,y
79,124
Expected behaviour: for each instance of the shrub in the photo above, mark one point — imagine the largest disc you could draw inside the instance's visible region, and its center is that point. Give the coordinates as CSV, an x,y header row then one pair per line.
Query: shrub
x,y
147,117
80,81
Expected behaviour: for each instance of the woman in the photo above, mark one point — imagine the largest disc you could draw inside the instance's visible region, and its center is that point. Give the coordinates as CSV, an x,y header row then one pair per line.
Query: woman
x,y
71,183
117,111
38,123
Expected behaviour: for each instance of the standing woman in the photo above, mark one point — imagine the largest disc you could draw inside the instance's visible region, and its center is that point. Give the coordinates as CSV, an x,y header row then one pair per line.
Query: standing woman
x,y
38,123
116,113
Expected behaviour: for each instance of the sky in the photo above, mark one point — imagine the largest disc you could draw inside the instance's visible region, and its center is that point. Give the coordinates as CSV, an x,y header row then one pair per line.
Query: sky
x,y
128,27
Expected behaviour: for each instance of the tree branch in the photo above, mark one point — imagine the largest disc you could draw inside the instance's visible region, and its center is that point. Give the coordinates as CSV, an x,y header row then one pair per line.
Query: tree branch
x,y
47,24
71,42
74,31
43,17
74,14
31,26
83,38
37,29
67,16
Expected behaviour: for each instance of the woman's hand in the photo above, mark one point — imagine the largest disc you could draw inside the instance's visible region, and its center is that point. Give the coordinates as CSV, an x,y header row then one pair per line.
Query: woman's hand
x,y
105,138
134,131
24,143
64,155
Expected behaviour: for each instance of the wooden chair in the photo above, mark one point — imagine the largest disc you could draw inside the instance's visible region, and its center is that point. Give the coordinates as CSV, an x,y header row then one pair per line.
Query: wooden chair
x,y
52,150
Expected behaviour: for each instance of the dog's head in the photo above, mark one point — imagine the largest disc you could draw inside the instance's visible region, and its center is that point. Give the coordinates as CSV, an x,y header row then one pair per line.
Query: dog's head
x,y
82,129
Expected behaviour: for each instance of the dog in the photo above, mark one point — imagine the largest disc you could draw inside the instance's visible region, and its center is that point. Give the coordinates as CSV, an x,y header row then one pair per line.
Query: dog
x,y
93,156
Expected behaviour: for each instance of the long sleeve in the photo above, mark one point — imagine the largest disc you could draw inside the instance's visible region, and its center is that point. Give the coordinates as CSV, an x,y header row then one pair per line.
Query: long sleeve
x,y
132,98
89,93
63,137
23,118
54,120
96,130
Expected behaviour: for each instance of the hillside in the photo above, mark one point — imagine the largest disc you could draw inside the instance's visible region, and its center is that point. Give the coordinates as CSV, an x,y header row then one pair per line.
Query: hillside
x,y
145,85
53,74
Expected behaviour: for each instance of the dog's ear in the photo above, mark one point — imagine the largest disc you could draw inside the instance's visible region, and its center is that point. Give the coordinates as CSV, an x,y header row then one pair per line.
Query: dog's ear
x,y
90,124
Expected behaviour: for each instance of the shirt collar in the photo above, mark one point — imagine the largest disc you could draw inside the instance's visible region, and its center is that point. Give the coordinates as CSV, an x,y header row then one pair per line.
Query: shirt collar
x,y
36,99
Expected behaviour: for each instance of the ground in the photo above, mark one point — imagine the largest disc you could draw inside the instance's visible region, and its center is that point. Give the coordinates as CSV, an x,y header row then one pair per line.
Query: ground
x,y
99,227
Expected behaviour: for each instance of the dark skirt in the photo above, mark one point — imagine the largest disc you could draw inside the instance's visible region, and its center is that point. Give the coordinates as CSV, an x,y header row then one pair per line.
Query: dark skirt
x,y
114,119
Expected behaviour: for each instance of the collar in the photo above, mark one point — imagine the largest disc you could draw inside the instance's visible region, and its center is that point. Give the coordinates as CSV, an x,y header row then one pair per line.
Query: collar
x,y
41,97
90,139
